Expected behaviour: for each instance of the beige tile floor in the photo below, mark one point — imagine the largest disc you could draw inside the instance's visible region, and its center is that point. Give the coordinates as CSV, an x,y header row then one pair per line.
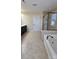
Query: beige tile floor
x,y
33,47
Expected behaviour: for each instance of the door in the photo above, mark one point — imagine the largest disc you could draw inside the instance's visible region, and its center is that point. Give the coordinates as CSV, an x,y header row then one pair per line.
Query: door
x,y
36,23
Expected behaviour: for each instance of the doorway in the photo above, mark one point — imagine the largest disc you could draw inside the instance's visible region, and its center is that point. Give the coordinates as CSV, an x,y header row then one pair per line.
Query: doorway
x,y
36,23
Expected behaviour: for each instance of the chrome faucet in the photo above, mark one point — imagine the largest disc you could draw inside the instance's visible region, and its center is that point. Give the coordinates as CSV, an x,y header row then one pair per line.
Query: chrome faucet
x,y
49,36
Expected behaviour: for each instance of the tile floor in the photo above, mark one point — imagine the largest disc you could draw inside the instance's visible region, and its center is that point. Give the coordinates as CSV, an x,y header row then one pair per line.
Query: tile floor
x,y
33,47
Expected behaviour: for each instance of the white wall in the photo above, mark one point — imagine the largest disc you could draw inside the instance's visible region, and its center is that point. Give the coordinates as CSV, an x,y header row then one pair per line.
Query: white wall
x,y
27,18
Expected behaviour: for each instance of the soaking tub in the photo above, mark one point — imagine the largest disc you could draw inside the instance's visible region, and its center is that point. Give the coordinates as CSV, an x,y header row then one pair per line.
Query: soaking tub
x,y
50,42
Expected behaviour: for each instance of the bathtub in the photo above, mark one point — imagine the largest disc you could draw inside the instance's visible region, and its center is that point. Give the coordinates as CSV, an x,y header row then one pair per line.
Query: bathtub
x,y
51,45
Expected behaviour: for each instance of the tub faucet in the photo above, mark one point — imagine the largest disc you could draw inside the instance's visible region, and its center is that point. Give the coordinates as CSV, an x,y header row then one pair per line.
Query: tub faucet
x,y
49,36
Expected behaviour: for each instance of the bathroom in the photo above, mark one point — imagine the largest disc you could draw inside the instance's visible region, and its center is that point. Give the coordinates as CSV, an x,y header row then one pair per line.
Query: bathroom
x,y
39,29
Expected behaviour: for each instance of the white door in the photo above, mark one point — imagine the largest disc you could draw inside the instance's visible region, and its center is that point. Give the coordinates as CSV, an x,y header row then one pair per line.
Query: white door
x,y
36,23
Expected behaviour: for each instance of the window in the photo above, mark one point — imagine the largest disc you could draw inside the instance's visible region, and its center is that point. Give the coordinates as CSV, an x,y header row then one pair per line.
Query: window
x,y
53,19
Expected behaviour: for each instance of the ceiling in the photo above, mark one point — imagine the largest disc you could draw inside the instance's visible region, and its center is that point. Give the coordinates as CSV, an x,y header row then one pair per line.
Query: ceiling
x,y
38,5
